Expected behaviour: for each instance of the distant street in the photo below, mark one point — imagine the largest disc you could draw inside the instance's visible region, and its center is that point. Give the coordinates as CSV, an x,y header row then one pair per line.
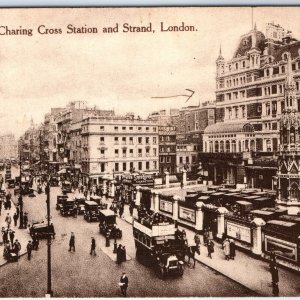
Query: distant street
x,y
81,275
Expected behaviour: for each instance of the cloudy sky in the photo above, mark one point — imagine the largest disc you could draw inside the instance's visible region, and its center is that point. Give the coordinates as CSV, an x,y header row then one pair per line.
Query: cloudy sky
x,y
119,70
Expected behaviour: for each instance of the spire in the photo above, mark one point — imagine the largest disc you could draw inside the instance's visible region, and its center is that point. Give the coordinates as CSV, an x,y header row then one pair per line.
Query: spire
x,y
253,37
220,57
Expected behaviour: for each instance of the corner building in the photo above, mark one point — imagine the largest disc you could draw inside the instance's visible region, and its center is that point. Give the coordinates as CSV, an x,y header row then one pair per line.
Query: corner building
x,y
117,145
241,147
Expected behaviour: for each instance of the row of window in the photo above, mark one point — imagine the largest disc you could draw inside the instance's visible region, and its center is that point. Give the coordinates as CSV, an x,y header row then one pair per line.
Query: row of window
x,y
130,128
187,159
125,166
130,140
130,152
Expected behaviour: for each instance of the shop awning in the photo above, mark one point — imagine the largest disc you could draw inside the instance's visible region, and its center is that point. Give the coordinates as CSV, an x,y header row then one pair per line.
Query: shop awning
x,y
203,198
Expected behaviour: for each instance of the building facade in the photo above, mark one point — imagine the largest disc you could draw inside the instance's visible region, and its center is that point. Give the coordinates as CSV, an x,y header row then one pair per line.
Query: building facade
x,y
117,145
249,104
8,146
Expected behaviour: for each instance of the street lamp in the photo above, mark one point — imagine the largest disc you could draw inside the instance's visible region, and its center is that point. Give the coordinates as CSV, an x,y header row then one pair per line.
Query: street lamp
x,y
49,283
20,199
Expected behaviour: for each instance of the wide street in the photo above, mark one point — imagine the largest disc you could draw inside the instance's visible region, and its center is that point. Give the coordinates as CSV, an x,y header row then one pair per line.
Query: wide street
x,y
81,275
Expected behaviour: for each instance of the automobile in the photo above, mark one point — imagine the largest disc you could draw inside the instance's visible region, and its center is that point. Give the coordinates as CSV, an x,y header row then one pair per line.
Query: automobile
x,y
98,200
67,208
91,212
11,183
59,200
108,224
42,230
66,187
80,204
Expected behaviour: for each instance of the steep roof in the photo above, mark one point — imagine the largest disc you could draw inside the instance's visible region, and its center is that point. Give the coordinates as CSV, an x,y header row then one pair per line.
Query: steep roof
x,y
245,43
229,127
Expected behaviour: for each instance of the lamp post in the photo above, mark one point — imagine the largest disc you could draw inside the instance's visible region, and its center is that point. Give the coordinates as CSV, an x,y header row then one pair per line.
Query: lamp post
x,y
49,283
20,199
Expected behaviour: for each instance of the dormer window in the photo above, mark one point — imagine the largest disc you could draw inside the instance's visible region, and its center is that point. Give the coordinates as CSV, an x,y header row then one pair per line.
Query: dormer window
x,y
245,42
285,56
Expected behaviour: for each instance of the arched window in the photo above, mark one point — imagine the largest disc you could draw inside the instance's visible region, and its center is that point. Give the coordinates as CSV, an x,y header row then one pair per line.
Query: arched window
x,y
216,146
233,146
227,146
294,192
221,146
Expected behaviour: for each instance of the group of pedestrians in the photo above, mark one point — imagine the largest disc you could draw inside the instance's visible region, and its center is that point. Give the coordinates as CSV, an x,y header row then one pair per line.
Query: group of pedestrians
x,y
229,249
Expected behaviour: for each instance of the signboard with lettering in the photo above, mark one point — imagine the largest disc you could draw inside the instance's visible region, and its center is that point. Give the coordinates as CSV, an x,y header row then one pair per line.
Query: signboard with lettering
x,y
239,232
187,214
166,206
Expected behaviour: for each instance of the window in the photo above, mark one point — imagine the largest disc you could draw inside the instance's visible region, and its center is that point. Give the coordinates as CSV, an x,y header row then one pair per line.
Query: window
x,y
154,151
187,159
124,152
161,159
268,109
124,166
116,140
102,153
130,128
140,165
102,166
139,152
116,128
131,152
154,165
124,140
147,128
131,140
116,167
116,152
147,140
101,128
154,140
139,140
102,140
131,166
180,160
123,128
147,165
147,152
154,129
139,128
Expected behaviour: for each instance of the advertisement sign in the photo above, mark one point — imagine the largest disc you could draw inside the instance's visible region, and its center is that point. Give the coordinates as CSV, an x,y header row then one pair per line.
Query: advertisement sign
x,y
166,206
239,232
187,214
281,248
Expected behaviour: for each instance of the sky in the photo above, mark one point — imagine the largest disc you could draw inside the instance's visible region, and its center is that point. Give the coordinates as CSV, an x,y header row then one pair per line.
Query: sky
x,y
121,71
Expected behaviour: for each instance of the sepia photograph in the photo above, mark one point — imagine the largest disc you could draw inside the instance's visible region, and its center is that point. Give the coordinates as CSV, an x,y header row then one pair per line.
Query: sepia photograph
x,y
150,152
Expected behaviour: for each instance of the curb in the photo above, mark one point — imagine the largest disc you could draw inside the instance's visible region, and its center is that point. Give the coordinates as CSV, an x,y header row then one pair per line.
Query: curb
x,y
7,262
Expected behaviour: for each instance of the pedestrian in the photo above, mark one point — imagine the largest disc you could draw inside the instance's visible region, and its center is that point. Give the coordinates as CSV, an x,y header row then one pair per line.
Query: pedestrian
x,y
205,237
17,247
29,250
93,246
197,239
1,206
223,239
72,242
12,237
232,249
227,249
15,217
124,284
4,235
8,220
131,207
35,242
121,210
210,248
119,254
275,281
18,211
9,204
25,220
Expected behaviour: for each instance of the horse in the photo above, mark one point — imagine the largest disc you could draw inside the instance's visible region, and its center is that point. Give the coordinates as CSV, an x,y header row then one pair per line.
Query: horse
x,y
190,252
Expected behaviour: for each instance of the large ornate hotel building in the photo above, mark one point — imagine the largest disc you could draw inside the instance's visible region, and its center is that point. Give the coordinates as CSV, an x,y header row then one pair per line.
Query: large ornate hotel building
x,y
240,148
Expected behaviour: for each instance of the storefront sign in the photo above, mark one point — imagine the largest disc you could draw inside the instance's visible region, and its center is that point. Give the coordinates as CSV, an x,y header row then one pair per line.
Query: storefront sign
x,y
281,248
187,214
239,232
166,206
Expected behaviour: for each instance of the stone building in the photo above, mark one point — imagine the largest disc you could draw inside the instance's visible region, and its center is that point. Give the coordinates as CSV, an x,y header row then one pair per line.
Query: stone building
x,y
241,147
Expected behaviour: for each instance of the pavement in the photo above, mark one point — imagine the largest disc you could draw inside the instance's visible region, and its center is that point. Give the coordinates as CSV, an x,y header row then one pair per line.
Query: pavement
x,y
251,272
20,234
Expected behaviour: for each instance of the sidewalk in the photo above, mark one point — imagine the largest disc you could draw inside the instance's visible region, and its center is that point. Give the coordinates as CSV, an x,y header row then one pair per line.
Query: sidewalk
x,y
20,234
250,272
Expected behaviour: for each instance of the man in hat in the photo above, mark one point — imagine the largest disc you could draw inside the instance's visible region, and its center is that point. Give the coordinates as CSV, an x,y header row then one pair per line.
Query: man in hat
x,y
93,246
29,250
72,242
124,284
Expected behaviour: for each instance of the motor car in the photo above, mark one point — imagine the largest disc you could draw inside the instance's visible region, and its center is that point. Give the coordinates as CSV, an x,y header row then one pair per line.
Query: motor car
x,y
67,208
91,212
42,230
59,200
108,224
80,204
66,187
99,200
